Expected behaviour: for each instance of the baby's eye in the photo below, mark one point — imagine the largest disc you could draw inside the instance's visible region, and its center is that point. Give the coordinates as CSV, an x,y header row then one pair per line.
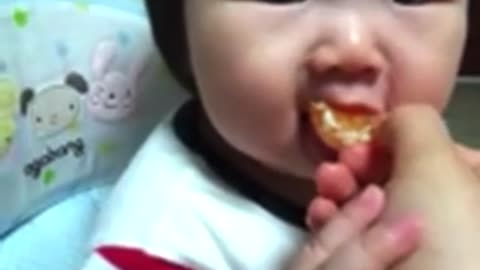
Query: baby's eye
x,y
411,2
38,119
282,1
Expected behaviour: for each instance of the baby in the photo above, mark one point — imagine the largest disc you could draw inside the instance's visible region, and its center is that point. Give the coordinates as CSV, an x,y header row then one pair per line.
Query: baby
x,y
226,181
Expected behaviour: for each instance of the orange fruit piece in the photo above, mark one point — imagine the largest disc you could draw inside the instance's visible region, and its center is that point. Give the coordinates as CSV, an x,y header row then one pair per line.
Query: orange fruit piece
x,y
339,129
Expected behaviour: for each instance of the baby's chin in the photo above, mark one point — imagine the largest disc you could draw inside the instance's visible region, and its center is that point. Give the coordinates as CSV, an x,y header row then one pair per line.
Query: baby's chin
x,y
300,158
312,151
302,162
292,173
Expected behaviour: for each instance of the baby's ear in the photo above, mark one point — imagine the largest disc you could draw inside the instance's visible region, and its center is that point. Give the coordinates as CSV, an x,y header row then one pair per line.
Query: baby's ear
x,y
104,55
27,97
77,82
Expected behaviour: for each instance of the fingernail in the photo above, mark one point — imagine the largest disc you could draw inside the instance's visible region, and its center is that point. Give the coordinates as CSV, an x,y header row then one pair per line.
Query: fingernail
x,y
394,241
370,196
406,232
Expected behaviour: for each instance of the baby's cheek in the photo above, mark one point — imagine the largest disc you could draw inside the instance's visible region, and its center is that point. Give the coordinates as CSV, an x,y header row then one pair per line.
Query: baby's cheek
x,y
427,84
252,119
253,95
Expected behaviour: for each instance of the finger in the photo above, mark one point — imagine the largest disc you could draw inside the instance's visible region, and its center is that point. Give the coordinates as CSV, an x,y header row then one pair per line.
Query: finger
x,y
356,158
476,170
320,211
354,217
348,222
335,181
380,248
385,246
370,163
416,134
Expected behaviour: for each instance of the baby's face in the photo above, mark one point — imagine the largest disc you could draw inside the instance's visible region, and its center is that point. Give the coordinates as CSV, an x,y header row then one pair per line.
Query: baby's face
x,y
258,63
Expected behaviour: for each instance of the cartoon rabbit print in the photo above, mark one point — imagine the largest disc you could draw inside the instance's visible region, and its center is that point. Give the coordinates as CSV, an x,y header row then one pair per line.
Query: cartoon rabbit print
x,y
114,92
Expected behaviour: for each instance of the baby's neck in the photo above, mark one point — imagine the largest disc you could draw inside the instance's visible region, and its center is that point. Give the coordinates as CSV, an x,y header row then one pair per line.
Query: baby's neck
x,y
297,191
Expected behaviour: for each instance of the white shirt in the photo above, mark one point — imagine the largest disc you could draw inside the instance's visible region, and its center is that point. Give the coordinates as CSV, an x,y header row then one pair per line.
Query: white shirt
x,y
171,205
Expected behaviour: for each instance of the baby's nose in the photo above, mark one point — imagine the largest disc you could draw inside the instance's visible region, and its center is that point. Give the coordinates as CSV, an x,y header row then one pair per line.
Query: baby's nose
x,y
347,64
350,46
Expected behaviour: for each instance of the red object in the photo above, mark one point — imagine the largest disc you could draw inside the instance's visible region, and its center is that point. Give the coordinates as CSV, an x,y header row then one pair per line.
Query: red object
x,y
135,259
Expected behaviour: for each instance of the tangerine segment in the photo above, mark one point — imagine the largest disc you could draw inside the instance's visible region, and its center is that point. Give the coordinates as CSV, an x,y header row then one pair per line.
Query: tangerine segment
x,y
339,129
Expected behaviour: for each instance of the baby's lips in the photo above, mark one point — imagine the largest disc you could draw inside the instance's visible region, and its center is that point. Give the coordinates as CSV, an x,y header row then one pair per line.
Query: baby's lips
x,y
379,134
341,128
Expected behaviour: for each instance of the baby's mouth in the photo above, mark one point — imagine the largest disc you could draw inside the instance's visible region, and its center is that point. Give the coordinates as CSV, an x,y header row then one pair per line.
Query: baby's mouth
x,y
328,129
314,148
343,127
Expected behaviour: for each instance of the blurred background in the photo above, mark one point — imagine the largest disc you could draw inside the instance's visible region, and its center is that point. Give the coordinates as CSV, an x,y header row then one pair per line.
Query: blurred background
x,y
471,64
463,114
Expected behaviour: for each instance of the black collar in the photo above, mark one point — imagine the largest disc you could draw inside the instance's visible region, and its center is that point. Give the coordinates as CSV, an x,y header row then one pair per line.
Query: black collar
x,y
185,127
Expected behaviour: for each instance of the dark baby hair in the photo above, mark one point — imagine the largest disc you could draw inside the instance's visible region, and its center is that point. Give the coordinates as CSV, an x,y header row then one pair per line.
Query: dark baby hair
x,y
168,25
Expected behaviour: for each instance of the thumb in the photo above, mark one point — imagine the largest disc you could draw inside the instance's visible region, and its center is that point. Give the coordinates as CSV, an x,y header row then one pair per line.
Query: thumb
x,y
416,134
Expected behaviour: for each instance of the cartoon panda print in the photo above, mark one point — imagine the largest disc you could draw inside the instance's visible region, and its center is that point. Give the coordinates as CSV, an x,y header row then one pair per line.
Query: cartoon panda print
x,y
8,100
56,107
7,130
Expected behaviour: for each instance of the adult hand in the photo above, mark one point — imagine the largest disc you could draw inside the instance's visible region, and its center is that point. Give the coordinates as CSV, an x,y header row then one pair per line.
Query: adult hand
x,y
351,240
